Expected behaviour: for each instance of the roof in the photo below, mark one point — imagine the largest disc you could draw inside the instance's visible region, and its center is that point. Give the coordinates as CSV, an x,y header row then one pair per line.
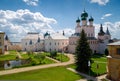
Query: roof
x,y
115,43
1,32
107,32
33,36
57,36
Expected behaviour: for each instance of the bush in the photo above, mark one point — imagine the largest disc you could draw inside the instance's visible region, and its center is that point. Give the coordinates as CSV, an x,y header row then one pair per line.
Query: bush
x,y
53,54
40,57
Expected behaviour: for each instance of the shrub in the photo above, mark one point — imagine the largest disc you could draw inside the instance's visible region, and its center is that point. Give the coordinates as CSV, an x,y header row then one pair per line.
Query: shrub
x,y
53,54
40,57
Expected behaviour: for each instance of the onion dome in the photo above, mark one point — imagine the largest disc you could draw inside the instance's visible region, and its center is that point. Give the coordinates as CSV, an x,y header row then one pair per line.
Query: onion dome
x,y
83,18
91,19
84,14
78,20
46,34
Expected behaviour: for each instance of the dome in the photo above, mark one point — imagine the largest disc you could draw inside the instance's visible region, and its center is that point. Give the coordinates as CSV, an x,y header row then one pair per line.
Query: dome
x,y
91,19
84,14
78,20
46,34
83,18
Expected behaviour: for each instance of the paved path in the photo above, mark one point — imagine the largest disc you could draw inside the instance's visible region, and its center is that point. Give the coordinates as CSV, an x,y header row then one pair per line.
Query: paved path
x,y
53,59
17,70
87,77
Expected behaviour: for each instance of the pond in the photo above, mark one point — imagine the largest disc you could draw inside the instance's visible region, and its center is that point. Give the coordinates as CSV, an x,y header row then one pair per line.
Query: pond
x,y
12,63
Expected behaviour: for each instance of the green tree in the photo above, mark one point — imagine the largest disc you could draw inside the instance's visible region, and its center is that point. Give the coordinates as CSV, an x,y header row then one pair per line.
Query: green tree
x,y
53,54
83,53
106,52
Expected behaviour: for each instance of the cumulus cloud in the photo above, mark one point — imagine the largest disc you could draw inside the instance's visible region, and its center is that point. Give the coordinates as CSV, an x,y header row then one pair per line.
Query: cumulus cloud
x,y
17,23
114,28
106,15
100,2
31,2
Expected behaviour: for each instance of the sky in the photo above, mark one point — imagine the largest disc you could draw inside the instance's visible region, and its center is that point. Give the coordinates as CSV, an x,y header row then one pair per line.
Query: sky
x,y
18,17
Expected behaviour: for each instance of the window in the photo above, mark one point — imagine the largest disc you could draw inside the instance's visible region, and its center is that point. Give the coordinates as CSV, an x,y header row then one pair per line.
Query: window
x,y
0,44
63,43
58,43
26,43
55,43
50,43
118,51
91,34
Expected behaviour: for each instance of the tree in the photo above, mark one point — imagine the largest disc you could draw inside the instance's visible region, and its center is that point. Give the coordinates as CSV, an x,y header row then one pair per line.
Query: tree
x,y
106,52
83,53
53,54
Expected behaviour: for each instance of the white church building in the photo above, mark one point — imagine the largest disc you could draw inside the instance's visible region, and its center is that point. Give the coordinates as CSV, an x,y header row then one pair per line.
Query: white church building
x,y
97,45
48,42
59,42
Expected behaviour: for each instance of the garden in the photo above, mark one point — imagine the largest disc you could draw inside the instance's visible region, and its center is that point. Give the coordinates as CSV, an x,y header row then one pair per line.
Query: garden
x,y
31,58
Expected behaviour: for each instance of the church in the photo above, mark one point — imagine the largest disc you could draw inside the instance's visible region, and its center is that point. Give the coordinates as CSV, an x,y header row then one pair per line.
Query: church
x,y
99,44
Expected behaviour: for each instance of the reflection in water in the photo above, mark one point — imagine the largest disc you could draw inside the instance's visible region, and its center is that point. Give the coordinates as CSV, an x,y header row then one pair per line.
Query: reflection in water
x,y
11,64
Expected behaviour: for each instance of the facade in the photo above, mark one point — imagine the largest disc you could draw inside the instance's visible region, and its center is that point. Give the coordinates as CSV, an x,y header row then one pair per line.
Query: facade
x,y
96,44
15,46
2,42
7,43
113,66
33,42
56,42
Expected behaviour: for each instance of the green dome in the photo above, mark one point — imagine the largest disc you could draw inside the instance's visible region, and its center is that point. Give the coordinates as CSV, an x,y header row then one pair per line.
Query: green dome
x,y
84,14
78,20
83,18
91,19
46,34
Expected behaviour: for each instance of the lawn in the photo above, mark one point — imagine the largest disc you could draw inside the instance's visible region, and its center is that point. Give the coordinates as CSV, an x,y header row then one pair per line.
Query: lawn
x,y
59,57
7,57
98,67
48,74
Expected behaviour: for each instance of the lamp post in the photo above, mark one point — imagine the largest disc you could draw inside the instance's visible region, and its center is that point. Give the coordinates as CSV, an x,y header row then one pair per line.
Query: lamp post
x,y
89,66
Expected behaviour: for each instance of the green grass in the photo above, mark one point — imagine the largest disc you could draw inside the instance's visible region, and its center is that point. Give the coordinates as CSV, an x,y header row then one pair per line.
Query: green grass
x,y
98,71
98,59
59,57
7,57
12,52
101,58
62,57
48,74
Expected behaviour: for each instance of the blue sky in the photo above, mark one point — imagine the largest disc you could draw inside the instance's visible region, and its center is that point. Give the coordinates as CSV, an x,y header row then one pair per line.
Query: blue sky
x,y
56,15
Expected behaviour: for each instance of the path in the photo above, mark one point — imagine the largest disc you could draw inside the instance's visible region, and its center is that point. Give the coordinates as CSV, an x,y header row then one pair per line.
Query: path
x,y
53,59
87,77
17,70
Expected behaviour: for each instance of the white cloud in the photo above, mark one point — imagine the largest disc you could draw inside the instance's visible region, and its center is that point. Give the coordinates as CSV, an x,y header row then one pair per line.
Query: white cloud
x,y
100,2
68,31
106,15
114,28
17,23
31,2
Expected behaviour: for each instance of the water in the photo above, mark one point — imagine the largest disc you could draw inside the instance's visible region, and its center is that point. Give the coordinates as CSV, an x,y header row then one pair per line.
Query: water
x,y
11,64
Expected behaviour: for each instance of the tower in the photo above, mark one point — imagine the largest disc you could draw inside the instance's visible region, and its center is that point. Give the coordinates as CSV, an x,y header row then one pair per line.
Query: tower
x,y
107,34
77,29
91,21
84,16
